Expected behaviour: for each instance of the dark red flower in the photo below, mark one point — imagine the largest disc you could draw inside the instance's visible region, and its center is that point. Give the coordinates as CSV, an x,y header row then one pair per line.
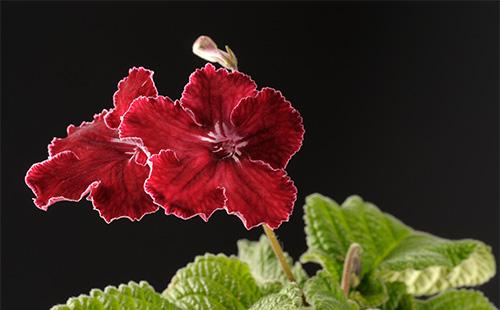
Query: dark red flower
x,y
224,145
93,160
139,82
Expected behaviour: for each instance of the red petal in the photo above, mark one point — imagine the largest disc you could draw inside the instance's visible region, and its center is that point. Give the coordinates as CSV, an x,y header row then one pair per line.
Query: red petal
x,y
258,194
271,127
139,82
185,188
212,94
162,124
199,185
93,160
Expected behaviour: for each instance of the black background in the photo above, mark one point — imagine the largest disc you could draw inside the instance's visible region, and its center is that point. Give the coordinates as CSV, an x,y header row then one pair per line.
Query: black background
x,y
400,102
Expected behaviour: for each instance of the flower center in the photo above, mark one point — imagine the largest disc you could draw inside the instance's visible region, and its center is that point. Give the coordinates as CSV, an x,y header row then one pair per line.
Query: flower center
x,y
225,142
132,149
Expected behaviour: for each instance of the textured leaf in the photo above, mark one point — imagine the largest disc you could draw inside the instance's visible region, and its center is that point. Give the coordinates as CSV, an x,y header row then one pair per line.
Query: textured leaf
x,y
396,297
371,292
407,302
213,282
325,260
327,233
132,296
448,300
457,299
428,264
425,263
264,265
289,298
322,292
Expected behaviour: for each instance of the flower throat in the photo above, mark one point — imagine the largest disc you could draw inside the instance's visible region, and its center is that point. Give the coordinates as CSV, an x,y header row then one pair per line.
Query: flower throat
x,y
225,142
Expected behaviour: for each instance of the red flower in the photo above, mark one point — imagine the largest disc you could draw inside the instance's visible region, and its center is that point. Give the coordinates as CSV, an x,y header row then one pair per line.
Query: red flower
x,y
139,82
93,160
224,145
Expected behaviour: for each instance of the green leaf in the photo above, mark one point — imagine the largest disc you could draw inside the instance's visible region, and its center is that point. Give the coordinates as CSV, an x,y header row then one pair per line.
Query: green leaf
x,y
323,292
457,299
325,260
264,265
327,234
289,298
132,296
213,282
448,300
331,229
396,296
371,292
407,302
429,265
425,263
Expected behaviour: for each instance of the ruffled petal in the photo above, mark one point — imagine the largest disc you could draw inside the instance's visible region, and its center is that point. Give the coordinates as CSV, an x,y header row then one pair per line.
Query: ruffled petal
x,y
162,124
271,128
199,185
212,94
185,187
42,179
139,82
258,194
93,160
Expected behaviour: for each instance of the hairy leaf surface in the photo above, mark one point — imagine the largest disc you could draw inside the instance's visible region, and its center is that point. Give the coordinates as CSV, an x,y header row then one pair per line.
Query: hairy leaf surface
x,y
288,298
131,296
213,282
456,299
425,263
264,265
322,292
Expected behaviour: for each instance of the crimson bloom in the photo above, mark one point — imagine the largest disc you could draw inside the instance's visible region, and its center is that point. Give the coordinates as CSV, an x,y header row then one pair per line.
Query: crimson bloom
x,y
224,145
93,160
139,82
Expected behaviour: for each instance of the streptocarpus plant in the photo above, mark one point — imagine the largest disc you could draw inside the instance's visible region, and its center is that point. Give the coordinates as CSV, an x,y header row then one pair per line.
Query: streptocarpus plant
x,y
225,145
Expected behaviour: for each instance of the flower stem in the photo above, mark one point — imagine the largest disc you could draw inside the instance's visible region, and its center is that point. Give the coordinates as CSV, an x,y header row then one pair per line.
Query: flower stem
x,y
279,252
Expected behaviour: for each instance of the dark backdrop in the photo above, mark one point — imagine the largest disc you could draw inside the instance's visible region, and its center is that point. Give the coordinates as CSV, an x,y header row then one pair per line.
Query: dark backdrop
x,y
400,102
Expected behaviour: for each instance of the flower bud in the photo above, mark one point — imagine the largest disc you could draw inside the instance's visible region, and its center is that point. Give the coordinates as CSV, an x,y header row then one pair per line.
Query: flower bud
x,y
206,48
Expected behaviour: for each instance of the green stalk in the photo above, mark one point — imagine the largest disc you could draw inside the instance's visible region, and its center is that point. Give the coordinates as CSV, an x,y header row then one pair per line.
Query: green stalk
x,y
279,252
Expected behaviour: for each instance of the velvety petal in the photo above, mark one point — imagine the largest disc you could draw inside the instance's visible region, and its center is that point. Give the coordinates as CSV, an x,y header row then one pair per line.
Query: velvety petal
x,y
199,185
93,160
258,194
162,124
271,127
88,136
139,82
186,187
212,94
41,176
